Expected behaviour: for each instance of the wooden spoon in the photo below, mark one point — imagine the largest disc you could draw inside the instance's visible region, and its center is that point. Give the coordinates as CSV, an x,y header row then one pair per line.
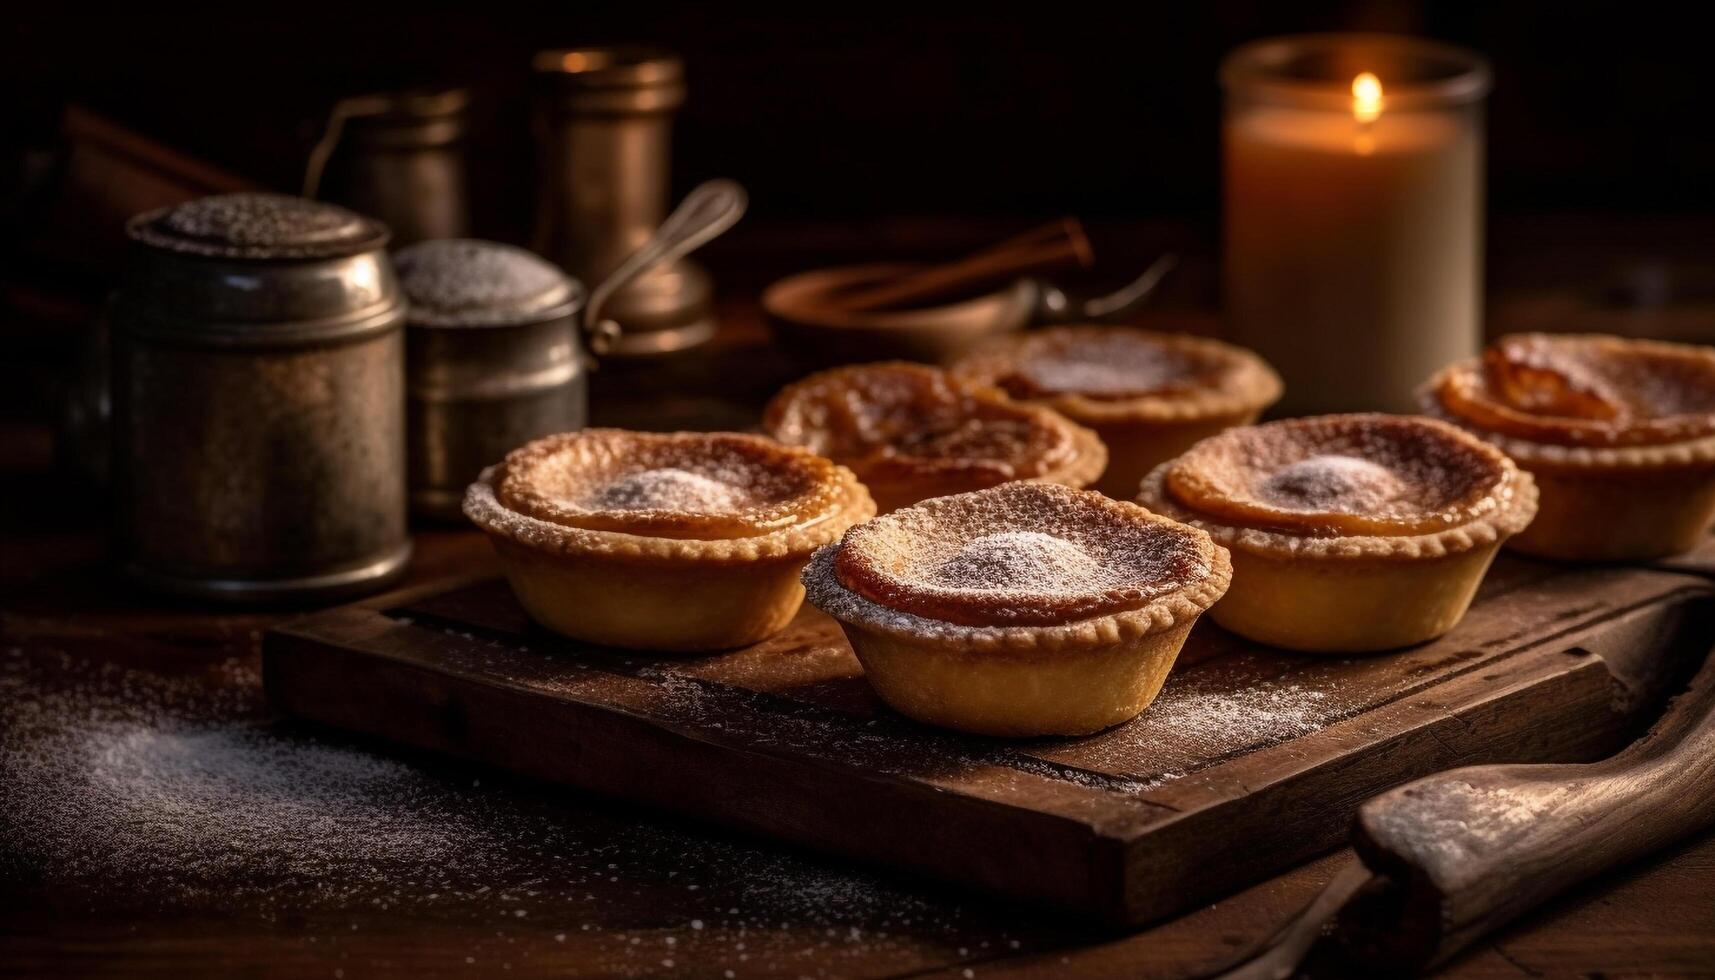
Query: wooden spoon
x,y
1454,856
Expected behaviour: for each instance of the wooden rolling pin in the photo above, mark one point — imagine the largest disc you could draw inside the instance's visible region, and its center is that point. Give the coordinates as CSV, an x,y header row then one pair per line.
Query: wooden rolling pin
x,y
1051,247
1454,856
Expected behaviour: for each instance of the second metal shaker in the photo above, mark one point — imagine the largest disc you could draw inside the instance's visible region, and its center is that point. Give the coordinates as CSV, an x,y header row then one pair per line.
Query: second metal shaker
x,y
493,360
604,129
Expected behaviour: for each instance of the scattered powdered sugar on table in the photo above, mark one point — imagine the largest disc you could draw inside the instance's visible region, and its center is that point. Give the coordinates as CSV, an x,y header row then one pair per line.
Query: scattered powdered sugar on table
x,y
135,790
1260,715
236,796
124,778
668,489
1205,713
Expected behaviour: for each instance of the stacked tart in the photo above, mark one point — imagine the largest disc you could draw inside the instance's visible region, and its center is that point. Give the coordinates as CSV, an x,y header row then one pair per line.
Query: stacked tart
x,y
912,432
1025,609
682,541
1148,395
1348,533
1620,435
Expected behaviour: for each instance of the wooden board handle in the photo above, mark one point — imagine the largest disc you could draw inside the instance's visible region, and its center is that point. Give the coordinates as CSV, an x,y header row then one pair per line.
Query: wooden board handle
x,y
1462,852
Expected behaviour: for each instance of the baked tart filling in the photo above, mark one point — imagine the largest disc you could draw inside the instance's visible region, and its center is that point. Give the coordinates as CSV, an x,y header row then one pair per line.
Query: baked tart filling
x,y
1148,395
700,486
1584,391
910,431
1619,433
1349,533
676,541
1019,558
1342,476
1121,370
1021,609
1591,391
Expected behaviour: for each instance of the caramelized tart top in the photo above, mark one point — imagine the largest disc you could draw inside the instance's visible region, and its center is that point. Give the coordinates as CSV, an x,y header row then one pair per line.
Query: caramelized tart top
x,y
896,421
673,485
1020,555
719,496
1344,476
1099,372
1582,391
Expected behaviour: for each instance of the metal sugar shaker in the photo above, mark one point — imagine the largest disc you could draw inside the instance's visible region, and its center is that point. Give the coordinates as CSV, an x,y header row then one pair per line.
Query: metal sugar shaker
x,y
259,403
603,120
493,360
398,157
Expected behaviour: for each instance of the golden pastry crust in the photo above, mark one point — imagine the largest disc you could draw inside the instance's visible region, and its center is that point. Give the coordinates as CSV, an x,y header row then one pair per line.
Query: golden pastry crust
x,y
1620,435
1349,486
1585,401
1097,375
676,542
1349,533
910,431
716,497
1020,569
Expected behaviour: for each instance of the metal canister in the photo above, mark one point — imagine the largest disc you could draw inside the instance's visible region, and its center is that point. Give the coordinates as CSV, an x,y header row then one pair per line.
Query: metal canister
x,y
397,157
259,409
493,361
604,128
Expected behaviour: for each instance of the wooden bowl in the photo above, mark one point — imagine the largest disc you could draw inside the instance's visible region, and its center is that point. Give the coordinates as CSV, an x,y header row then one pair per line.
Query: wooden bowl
x,y
817,333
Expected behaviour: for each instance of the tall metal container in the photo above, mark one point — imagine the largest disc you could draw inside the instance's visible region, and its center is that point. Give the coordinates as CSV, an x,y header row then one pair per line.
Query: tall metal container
x,y
604,130
493,358
259,409
398,157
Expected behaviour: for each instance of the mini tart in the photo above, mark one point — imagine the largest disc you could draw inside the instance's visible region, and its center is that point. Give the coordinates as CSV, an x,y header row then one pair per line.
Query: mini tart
x,y
1620,435
1024,609
683,541
1149,396
911,432
1349,533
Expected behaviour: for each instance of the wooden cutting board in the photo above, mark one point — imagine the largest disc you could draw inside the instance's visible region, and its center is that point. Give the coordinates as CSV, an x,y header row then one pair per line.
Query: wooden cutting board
x,y
1251,759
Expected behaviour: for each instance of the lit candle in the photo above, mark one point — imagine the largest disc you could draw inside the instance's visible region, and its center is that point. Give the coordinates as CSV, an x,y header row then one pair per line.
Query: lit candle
x,y
1354,213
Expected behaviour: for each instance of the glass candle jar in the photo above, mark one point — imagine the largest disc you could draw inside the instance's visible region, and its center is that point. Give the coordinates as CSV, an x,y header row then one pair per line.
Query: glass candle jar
x,y
1354,213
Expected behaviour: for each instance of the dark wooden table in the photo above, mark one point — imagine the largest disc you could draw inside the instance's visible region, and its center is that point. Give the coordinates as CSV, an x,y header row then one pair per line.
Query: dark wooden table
x,y
124,851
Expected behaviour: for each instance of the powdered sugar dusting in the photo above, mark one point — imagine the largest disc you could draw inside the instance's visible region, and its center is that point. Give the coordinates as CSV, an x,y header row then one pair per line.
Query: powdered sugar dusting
x,y
1017,559
460,281
250,219
1462,820
1333,482
668,488
1107,365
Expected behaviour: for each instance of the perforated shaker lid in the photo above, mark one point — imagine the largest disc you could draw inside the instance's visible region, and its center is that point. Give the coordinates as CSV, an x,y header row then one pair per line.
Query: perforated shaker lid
x,y
465,282
258,226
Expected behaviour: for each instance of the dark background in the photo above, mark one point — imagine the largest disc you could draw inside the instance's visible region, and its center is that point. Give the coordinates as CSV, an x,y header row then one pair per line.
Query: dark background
x,y
845,111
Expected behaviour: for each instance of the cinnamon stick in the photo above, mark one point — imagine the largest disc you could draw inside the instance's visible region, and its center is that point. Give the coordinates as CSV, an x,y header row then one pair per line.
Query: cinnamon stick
x,y
1051,247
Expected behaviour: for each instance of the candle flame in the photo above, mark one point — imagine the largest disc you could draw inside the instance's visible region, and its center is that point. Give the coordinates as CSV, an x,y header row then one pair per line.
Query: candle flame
x,y
1366,98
